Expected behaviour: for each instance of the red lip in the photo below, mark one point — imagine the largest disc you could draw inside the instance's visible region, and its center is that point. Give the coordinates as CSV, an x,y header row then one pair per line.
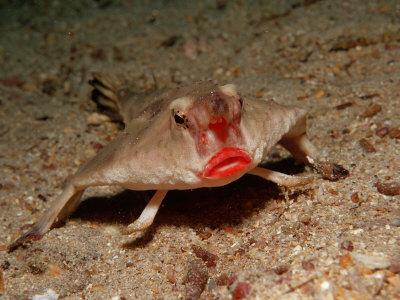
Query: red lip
x,y
226,162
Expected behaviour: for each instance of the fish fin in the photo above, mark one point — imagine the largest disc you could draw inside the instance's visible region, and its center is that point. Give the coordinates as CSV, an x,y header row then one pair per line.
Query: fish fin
x,y
146,218
60,209
108,94
281,178
304,151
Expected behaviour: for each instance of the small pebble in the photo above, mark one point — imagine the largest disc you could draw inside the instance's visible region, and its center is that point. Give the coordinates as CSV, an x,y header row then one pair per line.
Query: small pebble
x,y
319,94
204,234
2,285
326,285
297,249
11,81
307,265
305,219
395,268
367,146
196,279
388,188
54,270
395,222
344,105
345,261
394,133
369,96
190,49
98,54
48,295
129,264
67,87
371,111
221,4
209,258
111,230
382,132
29,87
42,197
97,119
261,93
171,41
230,229
347,245
171,276
241,290
333,192
49,87
211,285
355,198
5,265
96,146
281,269
372,262
330,171
225,279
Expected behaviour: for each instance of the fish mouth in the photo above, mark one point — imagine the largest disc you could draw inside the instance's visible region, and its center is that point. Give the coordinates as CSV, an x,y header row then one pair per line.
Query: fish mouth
x,y
226,162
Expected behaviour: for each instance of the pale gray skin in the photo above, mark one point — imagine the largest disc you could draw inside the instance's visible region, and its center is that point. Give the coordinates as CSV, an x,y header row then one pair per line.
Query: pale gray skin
x,y
156,152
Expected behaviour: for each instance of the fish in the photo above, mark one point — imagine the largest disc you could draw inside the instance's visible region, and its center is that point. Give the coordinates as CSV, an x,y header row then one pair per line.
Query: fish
x,y
199,135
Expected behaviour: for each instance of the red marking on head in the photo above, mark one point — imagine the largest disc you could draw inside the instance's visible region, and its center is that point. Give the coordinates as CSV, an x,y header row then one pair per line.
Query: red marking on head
x,y
203,138
220,128
226,162
237,131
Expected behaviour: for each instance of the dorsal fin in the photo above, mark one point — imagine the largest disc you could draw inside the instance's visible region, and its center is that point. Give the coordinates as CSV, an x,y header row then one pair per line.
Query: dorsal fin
x,y
107,93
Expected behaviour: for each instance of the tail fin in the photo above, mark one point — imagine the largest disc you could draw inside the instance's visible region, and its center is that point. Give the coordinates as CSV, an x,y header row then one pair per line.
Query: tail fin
x,y
107,95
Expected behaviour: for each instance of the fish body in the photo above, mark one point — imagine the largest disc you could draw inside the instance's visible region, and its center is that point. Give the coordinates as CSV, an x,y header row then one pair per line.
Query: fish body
x,y
200,135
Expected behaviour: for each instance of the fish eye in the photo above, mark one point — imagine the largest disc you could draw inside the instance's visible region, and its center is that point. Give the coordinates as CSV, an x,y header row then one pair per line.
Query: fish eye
x,y
180,119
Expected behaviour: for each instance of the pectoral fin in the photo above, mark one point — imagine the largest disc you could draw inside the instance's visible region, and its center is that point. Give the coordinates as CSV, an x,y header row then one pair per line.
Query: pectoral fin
x,y
61,208
280,178
304,151
148,214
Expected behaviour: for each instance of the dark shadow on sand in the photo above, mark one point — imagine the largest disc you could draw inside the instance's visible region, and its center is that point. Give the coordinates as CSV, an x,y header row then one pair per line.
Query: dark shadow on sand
x,y
199,208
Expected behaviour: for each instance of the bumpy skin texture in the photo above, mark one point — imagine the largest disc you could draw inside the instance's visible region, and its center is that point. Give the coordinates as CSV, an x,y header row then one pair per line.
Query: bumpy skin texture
x,y
203,135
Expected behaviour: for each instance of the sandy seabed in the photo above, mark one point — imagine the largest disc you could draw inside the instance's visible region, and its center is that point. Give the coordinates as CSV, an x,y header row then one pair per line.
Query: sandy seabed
x,y
251,239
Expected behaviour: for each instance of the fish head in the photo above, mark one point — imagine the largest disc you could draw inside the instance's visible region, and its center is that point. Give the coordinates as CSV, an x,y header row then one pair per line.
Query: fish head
x,y
210,120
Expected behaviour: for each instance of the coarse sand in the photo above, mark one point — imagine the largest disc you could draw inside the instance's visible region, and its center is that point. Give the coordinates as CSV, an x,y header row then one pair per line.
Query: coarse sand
x,y
251,239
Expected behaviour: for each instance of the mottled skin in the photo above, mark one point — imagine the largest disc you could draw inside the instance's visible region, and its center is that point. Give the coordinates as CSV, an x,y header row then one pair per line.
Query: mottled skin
x,y
203,135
